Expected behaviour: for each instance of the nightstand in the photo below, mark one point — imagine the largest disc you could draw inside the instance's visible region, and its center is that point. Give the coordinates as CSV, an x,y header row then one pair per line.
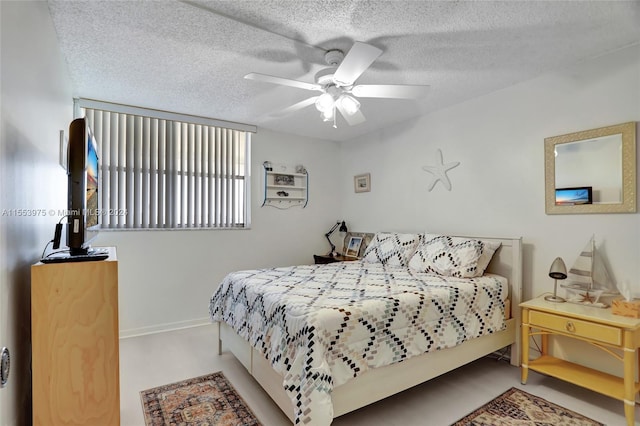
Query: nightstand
x,y
321,259
599,327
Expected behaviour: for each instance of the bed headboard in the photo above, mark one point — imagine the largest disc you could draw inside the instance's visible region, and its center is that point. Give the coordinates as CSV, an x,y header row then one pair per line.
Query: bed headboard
x,y
506,261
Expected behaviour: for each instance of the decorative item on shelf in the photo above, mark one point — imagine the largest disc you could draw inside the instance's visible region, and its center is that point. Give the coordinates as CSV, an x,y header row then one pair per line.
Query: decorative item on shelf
x,y
300,169
558,271
343,228
362,183
284,180
282,193
267,166
588,279
626,308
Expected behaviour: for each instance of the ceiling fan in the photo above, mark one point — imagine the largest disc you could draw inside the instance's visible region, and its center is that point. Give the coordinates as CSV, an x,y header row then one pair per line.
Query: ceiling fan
x,y
337,87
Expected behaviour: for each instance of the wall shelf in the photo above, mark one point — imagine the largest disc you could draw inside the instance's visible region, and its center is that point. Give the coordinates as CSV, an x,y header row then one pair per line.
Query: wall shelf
x,y
284,187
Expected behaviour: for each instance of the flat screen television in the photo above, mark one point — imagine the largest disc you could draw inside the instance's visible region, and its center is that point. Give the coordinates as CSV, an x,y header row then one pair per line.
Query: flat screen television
x,y
574,196
83,222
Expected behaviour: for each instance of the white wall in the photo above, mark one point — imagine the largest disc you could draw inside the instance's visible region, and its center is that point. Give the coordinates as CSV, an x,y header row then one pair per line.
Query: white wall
x,y
498,189
36,103
167,277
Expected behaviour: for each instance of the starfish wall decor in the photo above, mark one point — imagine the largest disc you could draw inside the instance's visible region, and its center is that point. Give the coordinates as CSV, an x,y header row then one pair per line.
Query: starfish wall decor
x,y
439,172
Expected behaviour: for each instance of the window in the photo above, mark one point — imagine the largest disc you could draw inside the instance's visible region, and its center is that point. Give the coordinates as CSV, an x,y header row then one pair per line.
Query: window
x,y
166,170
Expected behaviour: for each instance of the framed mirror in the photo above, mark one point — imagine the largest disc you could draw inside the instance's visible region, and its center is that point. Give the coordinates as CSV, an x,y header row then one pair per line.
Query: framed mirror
x,y
593,171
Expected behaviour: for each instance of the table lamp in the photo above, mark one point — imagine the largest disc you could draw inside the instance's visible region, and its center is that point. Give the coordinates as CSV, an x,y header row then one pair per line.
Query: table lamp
x,y
343,228
558,271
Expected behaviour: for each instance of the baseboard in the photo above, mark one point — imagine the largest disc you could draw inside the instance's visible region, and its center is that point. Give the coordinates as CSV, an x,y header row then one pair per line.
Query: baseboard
x,y
161,328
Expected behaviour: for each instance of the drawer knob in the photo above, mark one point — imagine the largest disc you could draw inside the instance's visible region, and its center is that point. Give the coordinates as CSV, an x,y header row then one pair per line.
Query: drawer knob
x,y
570,327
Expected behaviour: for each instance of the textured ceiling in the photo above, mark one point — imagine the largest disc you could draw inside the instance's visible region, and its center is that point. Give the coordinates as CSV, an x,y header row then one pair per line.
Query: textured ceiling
x,y
191,56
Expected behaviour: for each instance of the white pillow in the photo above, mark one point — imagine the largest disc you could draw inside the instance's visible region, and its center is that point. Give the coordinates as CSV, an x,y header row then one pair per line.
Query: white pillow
x,y
391,248
489,248
450,256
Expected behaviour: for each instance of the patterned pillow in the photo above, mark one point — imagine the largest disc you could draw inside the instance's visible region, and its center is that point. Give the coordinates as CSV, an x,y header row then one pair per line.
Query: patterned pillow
x,y
391,248
449,256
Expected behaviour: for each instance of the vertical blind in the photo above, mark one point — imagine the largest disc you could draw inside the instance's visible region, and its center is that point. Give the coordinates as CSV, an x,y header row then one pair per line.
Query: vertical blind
x,y
158,172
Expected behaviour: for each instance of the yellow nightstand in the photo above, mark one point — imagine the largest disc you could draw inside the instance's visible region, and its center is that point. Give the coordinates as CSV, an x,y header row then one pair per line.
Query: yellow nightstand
x,y
599,327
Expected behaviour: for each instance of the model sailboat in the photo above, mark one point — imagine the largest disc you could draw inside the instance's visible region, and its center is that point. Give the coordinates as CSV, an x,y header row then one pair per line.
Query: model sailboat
x,y
588,279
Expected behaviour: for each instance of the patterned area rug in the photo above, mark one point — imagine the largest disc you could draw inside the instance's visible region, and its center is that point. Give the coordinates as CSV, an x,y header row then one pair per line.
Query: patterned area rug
x,y
203,401
517,407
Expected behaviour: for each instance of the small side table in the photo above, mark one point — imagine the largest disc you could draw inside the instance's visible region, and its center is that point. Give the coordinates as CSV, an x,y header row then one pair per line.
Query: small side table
x,y
596,326
321,259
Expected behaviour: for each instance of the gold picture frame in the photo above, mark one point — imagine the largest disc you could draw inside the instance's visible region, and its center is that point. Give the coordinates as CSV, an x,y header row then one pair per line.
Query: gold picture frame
x,y
362,183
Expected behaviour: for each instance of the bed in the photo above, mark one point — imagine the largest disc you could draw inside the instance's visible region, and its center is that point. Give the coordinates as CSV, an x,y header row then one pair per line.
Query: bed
x,y
324,340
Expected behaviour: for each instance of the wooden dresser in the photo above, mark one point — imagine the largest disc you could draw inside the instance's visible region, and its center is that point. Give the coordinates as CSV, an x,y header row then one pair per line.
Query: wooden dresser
x,y
75,350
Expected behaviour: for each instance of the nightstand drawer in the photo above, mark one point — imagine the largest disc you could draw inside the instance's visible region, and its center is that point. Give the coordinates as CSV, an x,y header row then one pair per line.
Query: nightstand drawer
x,y
578,328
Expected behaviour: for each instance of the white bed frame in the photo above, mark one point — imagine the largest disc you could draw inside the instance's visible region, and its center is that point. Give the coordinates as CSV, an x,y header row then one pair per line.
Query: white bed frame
x,y
364,389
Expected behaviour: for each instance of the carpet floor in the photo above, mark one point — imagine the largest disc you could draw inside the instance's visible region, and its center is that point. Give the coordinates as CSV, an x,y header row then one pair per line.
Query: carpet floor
x,y
517,407
204,400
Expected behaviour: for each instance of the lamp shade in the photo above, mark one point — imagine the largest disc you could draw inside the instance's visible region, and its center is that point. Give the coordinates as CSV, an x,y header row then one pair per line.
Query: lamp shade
x,y
343,227
328,114
325,102
558,269
349,105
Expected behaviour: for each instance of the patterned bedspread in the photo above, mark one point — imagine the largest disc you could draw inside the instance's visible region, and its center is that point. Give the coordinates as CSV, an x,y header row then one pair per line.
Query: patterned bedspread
x,y
321,325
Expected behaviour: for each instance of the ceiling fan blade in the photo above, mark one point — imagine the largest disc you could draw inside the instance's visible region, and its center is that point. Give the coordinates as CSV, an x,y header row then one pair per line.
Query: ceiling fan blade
x,y
401,91
295,107
353,119
282,81
355,63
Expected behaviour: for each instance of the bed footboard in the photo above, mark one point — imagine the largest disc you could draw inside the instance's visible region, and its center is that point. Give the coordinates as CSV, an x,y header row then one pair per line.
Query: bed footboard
x,y
364,389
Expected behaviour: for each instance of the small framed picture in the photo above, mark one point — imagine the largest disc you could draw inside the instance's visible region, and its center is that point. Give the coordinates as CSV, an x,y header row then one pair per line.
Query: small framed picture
x,y
353,248
362,183
283,180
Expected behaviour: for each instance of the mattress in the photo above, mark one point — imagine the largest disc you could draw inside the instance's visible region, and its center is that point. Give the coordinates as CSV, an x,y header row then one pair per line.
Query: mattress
x,y
321,325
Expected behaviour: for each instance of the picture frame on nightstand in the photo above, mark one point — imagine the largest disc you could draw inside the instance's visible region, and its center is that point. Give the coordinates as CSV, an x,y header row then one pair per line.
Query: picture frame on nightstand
x,y
366,240
353,248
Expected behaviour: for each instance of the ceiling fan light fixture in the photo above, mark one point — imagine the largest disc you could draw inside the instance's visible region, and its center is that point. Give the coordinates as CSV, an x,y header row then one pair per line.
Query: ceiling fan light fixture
x,y
324,102
338,86
328,114
349,104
